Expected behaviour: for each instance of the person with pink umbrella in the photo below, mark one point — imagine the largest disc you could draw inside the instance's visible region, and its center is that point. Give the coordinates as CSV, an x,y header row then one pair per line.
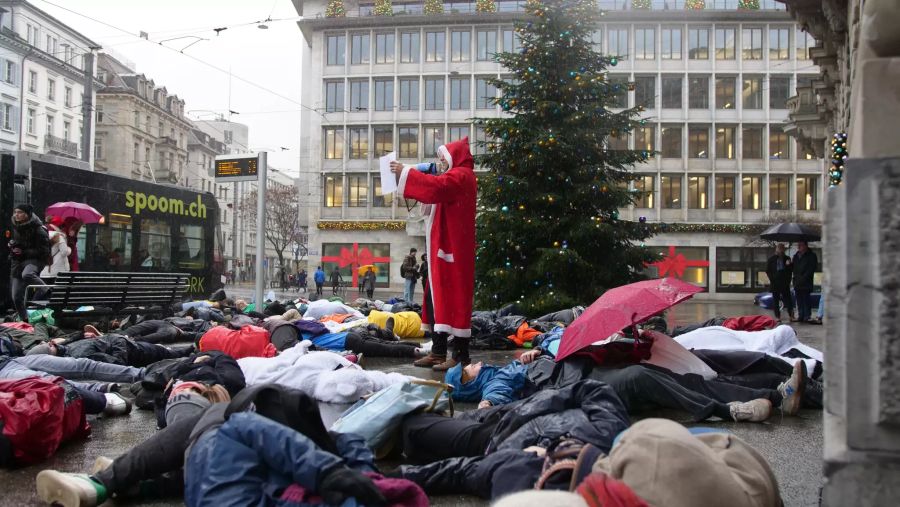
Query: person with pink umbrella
x,y
69,217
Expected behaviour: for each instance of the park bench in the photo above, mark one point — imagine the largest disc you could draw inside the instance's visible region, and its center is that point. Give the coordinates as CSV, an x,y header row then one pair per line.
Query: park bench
x,y
110,294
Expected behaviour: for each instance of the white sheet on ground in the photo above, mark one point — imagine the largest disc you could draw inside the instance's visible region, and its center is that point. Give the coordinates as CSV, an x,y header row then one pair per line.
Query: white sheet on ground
x,y
321,308
773,342
668,353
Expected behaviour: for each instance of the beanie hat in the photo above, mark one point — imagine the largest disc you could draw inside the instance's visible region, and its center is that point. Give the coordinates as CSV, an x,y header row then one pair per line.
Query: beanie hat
x,y
184,404
27,208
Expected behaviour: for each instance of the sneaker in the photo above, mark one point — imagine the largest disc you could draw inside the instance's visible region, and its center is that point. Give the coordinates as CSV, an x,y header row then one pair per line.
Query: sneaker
x,y
791,390
420,352
101,464
69,490
446,365
116,405
751,411
430,361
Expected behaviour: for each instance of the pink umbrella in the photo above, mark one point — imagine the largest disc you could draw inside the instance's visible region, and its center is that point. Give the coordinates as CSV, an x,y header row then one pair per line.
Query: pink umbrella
x,y
623,307
79,210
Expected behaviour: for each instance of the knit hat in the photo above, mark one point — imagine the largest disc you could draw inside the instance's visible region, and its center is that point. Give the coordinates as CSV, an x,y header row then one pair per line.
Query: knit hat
x,y
27,208
184,404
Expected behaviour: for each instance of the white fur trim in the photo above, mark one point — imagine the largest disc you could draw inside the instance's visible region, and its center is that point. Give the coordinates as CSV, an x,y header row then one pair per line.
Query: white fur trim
x,y
401,185
444,151
444,255
459,333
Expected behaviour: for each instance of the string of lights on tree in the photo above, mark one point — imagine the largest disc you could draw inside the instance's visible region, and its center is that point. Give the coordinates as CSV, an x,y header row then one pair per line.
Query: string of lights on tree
x,y
838,158
361,225
335,9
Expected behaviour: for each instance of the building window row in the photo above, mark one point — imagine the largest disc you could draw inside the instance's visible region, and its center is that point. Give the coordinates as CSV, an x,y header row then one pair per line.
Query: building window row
x,y
724,90
360,142
721,192
403,93
755,141
354,190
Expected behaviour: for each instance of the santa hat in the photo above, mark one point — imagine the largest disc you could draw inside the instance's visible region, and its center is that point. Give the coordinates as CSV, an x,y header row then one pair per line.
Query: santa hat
x,y
457,153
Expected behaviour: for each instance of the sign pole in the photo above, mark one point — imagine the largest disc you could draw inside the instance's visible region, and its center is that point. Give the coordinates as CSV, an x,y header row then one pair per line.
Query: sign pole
x,y
260,230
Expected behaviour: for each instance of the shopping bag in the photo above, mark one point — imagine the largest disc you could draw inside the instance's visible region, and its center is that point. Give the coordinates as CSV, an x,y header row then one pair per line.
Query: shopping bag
x,y
378,418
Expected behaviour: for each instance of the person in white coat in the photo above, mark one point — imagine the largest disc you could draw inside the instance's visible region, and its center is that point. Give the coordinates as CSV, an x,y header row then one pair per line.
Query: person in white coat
x,y
59,255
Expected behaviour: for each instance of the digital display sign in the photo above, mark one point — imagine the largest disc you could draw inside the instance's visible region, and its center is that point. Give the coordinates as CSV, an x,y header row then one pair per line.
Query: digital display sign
x,y
230,168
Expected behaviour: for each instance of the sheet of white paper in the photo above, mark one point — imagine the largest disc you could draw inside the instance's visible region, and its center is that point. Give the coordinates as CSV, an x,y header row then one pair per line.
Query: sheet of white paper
x,y
388,180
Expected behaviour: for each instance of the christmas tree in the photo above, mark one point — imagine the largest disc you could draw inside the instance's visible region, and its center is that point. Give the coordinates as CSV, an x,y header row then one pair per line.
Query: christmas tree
x,y
549,234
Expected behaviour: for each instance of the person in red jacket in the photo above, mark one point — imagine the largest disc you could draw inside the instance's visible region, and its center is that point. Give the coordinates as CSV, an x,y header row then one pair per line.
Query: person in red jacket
x,y
448,199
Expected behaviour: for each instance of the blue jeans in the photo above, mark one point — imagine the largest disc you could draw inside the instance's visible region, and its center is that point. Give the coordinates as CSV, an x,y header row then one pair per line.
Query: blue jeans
x,y
821,313
409,290
804,311
70,368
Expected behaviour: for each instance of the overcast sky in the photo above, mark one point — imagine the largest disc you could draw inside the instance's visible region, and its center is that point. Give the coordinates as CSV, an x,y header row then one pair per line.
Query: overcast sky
x,y
269,58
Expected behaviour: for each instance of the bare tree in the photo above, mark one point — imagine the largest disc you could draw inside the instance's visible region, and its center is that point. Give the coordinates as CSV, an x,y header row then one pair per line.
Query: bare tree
x,y
282,226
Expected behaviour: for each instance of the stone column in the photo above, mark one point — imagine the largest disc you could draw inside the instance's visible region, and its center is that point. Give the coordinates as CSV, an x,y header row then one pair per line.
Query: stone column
x,y
862,353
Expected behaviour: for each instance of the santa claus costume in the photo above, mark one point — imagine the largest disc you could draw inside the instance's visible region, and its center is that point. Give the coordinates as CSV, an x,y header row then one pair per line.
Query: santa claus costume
x,y
448,201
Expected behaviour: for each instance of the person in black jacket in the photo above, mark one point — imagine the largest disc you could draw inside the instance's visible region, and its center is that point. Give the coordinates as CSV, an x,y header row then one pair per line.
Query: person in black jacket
x,y
805,265
779,269
29,250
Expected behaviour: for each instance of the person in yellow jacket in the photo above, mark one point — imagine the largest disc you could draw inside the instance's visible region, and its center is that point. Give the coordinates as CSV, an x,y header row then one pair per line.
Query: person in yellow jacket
x,y
406,325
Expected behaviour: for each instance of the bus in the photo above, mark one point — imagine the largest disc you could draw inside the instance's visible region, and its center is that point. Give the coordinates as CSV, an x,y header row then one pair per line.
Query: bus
x,y
146,226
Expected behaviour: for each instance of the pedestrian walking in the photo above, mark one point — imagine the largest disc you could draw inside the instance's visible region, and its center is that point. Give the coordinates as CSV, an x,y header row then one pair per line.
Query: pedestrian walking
x,y
301,280
423,271
409,270
29,250
779,269
805,265
336,280
369,283
319,278
59,255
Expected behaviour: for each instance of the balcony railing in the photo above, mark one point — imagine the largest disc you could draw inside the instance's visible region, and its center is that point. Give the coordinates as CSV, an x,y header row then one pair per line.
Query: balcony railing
x,y
60,146
165,140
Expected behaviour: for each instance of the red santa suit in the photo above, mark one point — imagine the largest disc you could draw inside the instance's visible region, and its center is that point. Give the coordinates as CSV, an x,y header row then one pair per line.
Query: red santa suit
x,y
449,201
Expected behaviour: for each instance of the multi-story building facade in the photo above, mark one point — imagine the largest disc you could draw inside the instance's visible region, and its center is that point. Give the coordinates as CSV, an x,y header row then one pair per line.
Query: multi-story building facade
x,y
42,82
142,132
714,83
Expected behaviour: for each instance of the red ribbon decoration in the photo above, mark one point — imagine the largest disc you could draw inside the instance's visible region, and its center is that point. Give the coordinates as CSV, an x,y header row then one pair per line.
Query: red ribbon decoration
x,y
674,265
355,258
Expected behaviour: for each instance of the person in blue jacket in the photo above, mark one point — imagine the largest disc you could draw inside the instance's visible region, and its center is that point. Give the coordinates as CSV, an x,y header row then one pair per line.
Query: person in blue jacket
x,y
319,278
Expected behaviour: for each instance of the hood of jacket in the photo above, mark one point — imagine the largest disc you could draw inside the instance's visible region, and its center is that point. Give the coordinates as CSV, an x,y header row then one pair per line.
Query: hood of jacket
x,y
457,153
471,390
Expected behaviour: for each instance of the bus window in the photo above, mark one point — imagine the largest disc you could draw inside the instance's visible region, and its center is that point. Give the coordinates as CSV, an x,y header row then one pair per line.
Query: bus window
x,y
81,244
156,245
191,254
120,242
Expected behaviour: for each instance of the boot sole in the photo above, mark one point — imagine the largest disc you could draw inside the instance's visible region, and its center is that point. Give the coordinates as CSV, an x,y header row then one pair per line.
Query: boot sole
x,y
54,488
793,408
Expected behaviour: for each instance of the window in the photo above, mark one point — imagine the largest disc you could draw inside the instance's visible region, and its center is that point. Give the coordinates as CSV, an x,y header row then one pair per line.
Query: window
x,y
698,43
778,143
409,94
99,109
511,41
9,117
481,137
32,81
378,200
751,197
357,190
359,48
698,192
457,132
336,46
670,191
434,93
459,93
619,95
724,192
32,34
9,71
752,143
752,93
671,142
644,139
618,42
334,142
807,189
384,140
644,43
617,142
698,93
725,93
805,42
486,45
30,121
50,124
384,94
191,253
51,44
67,128
359,95
485,93
779,44
156,245
671,92
778,92
409,142
779,192
334,96
670,44
137,119
725,43
725,142
334,191
645,91
409,47
806,152
460,46
359,142
698,142
98,148
432,138
384,47
752,43
643,186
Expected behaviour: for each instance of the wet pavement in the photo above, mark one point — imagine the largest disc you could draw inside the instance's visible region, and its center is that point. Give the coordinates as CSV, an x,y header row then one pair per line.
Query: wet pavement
x,y
792,445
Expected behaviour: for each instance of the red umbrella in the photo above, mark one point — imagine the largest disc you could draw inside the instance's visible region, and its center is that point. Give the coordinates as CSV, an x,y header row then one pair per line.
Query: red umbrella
x,y
623,307
79,210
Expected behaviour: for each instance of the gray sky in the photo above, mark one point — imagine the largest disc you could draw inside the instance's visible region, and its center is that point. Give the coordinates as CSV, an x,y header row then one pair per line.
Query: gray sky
x,y
269,58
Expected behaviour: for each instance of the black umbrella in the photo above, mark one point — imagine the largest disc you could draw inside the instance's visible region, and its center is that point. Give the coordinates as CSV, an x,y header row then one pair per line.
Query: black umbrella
x,y
791,232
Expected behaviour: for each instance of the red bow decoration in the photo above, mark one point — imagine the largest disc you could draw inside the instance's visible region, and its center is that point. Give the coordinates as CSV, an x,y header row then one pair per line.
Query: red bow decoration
x,y
355,258
674,264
